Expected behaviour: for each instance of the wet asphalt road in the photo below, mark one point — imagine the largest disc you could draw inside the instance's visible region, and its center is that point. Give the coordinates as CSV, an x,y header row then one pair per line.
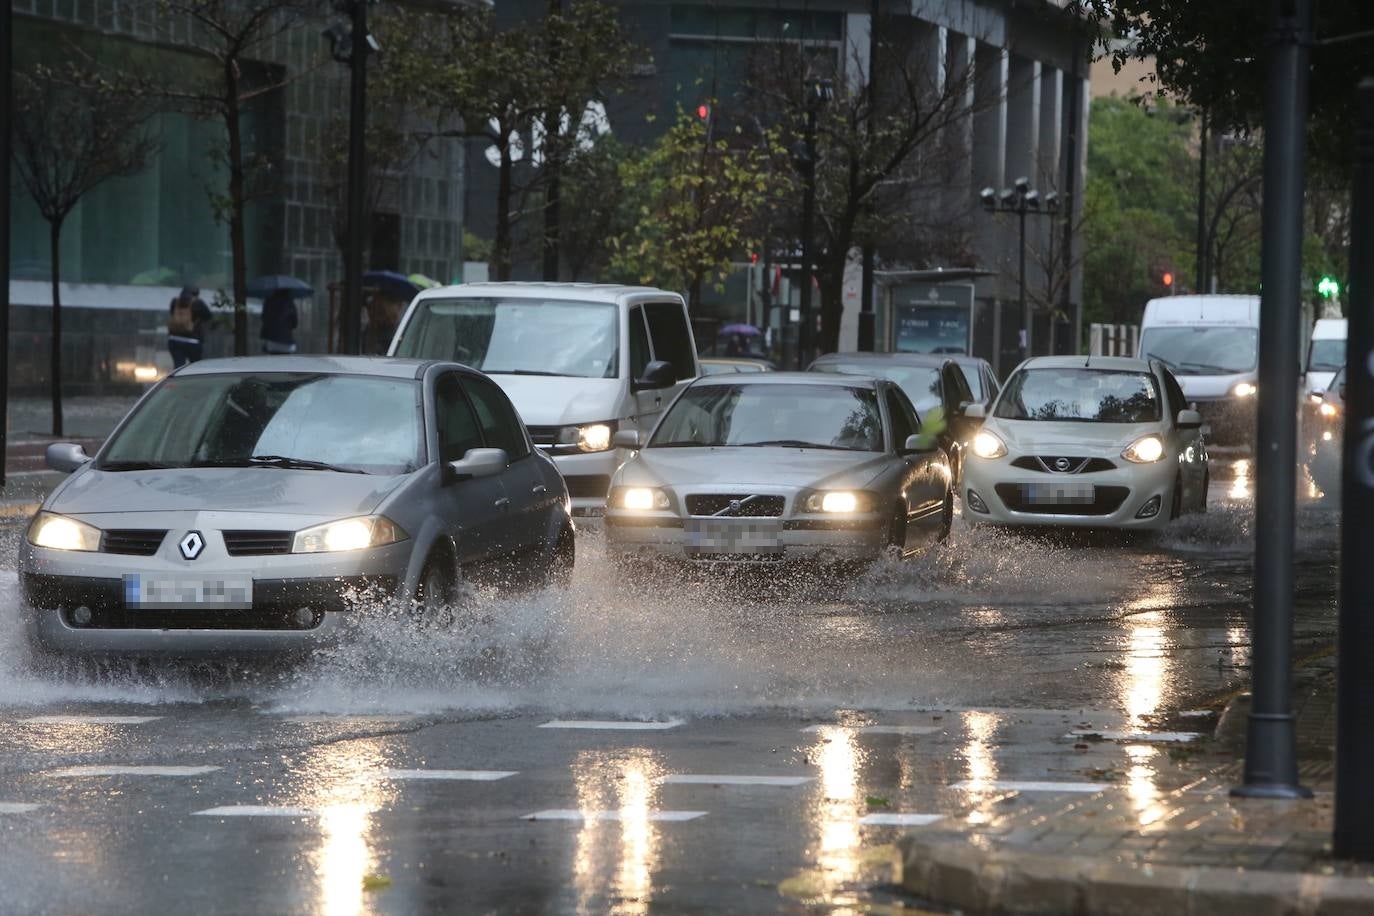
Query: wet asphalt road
x,y
775,736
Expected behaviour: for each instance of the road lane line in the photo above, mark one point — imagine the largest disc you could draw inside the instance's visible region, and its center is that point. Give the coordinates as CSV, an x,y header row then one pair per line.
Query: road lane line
x,y
88,720
880,729
457,775
612,724
900,820
575,814
1013,785
1134,737
18,807
694,779
258,811
132,771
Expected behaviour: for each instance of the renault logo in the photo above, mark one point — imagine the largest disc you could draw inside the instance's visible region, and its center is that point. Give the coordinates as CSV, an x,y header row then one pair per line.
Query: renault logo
x,y
191,545
1061,464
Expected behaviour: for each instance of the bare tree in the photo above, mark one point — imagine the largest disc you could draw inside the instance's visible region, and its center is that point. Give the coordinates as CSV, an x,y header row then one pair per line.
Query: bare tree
x,y
70,135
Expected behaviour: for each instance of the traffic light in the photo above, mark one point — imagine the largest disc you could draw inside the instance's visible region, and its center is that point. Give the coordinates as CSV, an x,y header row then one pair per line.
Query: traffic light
x,y
1328,287
703,112
1167,279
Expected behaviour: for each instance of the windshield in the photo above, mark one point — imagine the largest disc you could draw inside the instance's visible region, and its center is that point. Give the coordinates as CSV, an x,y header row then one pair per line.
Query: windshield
x,y
1202,351
1326,355
327,422
920,383
516,336
799,416
1081,395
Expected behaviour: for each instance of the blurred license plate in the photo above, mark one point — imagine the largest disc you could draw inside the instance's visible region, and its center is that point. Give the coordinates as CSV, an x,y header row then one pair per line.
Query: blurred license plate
x,y
752,535
155,591
1046,494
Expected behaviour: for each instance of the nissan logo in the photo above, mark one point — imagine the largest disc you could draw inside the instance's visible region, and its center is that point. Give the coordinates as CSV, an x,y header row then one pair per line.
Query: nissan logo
x,y
1061,464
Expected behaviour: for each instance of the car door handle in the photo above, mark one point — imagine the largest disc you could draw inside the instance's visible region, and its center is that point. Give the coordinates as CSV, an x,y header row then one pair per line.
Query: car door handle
x,y
539,489
503,503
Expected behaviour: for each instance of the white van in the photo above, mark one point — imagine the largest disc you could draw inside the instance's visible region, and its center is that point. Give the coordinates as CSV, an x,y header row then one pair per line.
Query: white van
x,y
581,361
1211,343
1325,355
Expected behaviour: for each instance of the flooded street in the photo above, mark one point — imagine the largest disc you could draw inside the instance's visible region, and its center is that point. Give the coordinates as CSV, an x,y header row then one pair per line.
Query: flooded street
x,y
693,743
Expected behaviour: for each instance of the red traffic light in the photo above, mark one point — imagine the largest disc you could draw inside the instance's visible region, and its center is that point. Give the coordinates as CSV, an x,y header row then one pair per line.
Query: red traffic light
x,y
1168,278
703,112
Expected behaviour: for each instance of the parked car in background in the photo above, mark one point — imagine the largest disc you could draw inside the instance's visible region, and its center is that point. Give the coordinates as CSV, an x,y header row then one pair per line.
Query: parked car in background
x,y
243,501
1326,437
726,365
1087,442
778,466
937,386
581,361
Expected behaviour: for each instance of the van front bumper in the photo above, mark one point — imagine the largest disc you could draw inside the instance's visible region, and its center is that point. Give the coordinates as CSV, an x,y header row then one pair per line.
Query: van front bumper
x,y
588,477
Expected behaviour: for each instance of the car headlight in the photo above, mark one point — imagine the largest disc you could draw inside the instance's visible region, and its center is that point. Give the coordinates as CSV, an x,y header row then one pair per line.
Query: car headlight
x,y
988,445
57,532
348,534
1245,389
838,501
593,437
1328,410
640,498
1145,450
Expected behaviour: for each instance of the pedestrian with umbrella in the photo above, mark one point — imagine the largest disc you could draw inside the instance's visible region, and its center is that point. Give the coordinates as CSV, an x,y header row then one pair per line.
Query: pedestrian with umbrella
x,y
279,317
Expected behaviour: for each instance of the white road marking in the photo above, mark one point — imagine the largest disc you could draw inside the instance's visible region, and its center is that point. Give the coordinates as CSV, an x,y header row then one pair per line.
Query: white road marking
x,y
17,807
133,771
350,720
880,729
612,724
575,814
724,780
1135,737
1196,713
900,820
259,811
468,775
89,720
1012,785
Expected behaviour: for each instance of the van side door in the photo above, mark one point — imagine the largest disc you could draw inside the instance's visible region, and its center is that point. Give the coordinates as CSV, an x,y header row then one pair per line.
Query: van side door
x,y
670,340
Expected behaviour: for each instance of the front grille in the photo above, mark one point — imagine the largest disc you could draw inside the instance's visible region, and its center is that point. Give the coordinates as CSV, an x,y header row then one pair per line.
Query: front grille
x,y
588,486
1049,464
138,542
1106,500
258,543
544,435
751,506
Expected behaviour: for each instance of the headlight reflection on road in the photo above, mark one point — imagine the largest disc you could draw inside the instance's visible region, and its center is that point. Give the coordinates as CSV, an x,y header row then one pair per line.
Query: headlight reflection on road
x,y
980,765
1240,487
626,782
1140,783
1143,687
838,757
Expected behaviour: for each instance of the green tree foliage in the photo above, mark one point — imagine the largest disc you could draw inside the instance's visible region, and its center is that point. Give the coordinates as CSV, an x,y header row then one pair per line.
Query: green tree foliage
x,y
694,202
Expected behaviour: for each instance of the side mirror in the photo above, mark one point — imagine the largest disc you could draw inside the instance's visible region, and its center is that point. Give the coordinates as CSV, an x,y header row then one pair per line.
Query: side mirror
x,y
66,456
625,438
1189,419
975,411
478,462
658,374
919,444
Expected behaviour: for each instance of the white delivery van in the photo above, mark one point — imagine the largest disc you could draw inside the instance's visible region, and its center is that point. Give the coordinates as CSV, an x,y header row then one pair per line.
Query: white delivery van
x,y
1211,343
581,361
1325,355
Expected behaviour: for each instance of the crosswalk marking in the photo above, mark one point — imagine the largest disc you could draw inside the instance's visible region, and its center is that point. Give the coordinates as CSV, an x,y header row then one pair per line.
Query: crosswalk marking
x,y
879,729
89,720
895,819
468,775
17,807
724,780
1136,737
576,814
258,811
133,771
1013,785
612,724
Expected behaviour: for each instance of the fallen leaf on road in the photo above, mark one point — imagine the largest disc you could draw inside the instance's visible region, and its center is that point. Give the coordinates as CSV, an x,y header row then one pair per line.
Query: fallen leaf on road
x,y
376,882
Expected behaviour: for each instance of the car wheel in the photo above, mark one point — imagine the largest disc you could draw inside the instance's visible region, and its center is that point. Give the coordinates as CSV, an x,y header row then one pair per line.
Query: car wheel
x,y
1177,508
1206,488
434,596
947,516
564,558
896,535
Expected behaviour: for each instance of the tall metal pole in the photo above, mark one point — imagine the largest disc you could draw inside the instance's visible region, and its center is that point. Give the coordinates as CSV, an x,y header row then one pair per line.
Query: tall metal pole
x,y
804,336
1202,271
1025,303
867,317
1354,830
1075,121
6,107
1271,769
357,181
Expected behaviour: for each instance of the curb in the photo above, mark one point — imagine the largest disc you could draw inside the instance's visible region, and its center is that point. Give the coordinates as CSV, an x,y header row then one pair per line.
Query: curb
x,y
949,870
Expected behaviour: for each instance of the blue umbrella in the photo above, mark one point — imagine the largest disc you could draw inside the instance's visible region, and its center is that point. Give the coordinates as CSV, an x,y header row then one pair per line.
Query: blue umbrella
x,y
263,287
390,283
744,330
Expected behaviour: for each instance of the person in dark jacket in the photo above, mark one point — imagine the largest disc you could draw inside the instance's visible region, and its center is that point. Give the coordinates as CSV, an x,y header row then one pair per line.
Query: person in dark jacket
x,y
187,318
279,323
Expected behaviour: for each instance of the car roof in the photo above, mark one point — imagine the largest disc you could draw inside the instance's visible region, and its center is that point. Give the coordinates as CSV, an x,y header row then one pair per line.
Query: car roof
x,y
323,364
931,360
818,379
580,292
1119,363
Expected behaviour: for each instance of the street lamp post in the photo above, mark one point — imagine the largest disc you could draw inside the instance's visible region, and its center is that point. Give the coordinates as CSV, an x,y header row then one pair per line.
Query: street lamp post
x,y
1020,199
819,92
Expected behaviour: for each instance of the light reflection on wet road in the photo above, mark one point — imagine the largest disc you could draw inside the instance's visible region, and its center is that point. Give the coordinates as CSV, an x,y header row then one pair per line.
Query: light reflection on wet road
x,y
976,662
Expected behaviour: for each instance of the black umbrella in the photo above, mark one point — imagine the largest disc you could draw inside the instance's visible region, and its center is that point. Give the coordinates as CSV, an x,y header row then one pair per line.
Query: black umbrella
x,y
263,287
390,283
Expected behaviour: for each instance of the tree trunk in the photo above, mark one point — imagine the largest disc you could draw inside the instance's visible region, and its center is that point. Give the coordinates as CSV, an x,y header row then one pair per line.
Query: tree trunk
x,y
501,245
55,361
694,294
832,305
237,247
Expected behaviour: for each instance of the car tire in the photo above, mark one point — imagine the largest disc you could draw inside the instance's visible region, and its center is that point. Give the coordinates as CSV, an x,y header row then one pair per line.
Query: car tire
x,y
560,570
896,532
1176,508
1206,488
435,593
947,516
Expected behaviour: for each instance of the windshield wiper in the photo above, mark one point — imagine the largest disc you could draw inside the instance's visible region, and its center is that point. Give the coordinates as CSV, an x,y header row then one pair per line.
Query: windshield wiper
x,y
276,461
525,372
1208,367
795,443
135,466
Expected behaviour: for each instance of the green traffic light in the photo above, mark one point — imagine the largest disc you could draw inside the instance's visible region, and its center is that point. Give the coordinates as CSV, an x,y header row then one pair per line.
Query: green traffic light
x,y
1328,287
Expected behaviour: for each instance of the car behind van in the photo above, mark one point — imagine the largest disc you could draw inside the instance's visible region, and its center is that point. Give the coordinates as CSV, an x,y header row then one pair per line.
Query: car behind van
x,y
580,361
1211,344
1325,356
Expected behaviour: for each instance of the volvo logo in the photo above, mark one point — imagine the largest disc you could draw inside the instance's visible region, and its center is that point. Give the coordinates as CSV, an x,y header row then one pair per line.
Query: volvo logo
x,y
191,545
1062,464
736,505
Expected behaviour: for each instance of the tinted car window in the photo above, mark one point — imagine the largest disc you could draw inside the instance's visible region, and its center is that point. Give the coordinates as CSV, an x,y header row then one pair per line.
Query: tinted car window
x,y
801,416
903,424
1177,400
458,430
957,385
501,425
1080,395
672,337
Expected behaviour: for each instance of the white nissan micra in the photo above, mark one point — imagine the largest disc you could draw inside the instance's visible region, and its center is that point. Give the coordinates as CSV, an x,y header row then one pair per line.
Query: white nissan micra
x,y
1087,442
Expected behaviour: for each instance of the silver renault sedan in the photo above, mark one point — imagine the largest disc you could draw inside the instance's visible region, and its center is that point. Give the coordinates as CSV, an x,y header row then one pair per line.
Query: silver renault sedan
x,y
244,503
820,469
